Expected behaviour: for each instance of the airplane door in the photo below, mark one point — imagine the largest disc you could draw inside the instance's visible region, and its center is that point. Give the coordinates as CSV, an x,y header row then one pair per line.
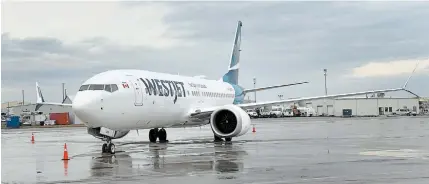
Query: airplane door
x,y
138,92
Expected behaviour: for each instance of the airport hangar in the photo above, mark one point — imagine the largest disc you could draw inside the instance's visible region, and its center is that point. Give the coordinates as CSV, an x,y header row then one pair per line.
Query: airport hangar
x,y
368,105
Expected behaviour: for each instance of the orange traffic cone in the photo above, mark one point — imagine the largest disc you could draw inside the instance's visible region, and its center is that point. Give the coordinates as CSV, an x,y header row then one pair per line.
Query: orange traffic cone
x,y
66,154
32,137
254,129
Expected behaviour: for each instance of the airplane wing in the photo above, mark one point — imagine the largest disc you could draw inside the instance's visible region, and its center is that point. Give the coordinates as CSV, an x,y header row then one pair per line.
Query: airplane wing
x,y
277,102
272,87
205,113
41,101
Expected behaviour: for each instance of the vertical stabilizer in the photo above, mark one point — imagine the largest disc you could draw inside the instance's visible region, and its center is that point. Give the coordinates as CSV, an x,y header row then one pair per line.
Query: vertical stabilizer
x,y
232,75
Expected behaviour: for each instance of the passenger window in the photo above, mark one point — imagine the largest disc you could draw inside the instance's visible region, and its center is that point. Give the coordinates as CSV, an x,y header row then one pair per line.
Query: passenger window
x,y
96,87
83,87
107,88
114,87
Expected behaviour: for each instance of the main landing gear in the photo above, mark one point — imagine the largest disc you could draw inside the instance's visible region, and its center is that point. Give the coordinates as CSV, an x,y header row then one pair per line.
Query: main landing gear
x,y
108,147
158,134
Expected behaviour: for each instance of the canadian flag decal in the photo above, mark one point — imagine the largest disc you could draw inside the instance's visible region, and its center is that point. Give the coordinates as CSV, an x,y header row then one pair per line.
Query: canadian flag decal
x,y
125,85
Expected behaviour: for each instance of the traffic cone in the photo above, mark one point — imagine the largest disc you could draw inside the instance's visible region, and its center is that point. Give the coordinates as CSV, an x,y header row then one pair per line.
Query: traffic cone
x,y
32,137
66,154
254,129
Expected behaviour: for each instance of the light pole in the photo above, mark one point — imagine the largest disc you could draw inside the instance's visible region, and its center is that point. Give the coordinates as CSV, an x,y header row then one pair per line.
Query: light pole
x,y
326,89
254,86
23,98
63,91
281,98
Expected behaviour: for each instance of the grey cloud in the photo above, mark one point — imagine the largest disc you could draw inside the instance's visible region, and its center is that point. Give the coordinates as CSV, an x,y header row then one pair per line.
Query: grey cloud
x,y
282,42
325,32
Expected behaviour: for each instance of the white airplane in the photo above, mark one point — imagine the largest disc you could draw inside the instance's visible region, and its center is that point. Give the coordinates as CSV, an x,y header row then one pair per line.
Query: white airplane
x,y
114,102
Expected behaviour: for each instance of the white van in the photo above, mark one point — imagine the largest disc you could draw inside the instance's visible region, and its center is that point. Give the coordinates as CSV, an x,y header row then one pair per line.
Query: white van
x,y
287,112
307,111
276,111
252,113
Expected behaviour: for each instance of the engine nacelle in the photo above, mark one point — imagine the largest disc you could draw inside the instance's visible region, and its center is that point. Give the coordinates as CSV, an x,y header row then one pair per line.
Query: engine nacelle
x,y
230,121
96,133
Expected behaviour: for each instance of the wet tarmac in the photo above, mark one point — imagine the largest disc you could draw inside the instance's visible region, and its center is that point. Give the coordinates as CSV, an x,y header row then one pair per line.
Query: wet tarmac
x,y
289,150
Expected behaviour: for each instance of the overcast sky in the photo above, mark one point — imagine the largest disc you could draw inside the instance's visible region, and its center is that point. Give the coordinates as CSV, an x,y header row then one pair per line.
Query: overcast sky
x,y
364,45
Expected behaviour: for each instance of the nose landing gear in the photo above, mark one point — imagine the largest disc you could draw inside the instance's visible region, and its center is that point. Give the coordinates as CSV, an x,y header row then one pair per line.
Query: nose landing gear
x,y
108,147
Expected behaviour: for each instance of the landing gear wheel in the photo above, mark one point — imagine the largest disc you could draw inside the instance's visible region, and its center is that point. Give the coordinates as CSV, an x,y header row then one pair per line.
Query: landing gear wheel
x,y
104,148
228,139
111,148
162,135
217,139
153,135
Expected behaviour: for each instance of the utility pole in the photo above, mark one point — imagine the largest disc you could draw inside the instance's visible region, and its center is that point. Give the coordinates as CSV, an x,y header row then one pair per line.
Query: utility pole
x,y
63,92
254,86
281,97
326,89
23,98
325,71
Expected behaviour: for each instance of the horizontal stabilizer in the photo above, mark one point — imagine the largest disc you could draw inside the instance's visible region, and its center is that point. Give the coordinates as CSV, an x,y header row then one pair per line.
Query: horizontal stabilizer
x,y
272,87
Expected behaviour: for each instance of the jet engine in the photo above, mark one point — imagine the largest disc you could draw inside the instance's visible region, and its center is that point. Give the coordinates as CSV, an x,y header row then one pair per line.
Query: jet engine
x,y
96,133
230,121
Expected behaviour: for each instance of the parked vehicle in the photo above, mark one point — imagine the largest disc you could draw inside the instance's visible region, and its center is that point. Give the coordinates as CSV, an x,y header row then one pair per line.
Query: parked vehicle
x,y
264,112
252,113
276,111
404,112
307,111
287,112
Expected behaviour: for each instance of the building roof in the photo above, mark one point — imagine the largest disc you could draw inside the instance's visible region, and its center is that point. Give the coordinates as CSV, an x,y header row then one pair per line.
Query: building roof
x,y
13,104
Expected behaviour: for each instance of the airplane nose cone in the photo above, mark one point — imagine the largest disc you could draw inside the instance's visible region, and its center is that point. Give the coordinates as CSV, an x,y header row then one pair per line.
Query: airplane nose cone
x,y
86,106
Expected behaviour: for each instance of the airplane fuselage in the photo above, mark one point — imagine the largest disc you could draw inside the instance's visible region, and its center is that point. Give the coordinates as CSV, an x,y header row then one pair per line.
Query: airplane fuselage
x,y
145,99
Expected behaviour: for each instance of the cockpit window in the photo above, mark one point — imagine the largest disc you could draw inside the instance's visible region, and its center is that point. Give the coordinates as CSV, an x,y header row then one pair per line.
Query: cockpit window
x,y
96,87
83,87
114,87
105,87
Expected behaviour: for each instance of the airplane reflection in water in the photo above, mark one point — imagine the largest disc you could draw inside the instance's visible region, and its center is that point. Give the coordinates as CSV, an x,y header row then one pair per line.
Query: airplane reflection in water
x,y
223,157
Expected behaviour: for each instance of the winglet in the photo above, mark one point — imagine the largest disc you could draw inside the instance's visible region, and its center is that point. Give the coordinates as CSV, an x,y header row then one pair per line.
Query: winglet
x,y
406,83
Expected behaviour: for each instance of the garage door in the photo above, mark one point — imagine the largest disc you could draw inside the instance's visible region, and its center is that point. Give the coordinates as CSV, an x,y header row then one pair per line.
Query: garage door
x,y
319,110
330,110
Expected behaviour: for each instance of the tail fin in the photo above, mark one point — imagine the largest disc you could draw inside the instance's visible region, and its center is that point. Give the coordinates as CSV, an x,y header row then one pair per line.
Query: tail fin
x,y
40,98
232,75
41,101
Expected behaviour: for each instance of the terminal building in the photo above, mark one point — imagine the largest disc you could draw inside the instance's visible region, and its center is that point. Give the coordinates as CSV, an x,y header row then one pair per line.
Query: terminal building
x,y
371,105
